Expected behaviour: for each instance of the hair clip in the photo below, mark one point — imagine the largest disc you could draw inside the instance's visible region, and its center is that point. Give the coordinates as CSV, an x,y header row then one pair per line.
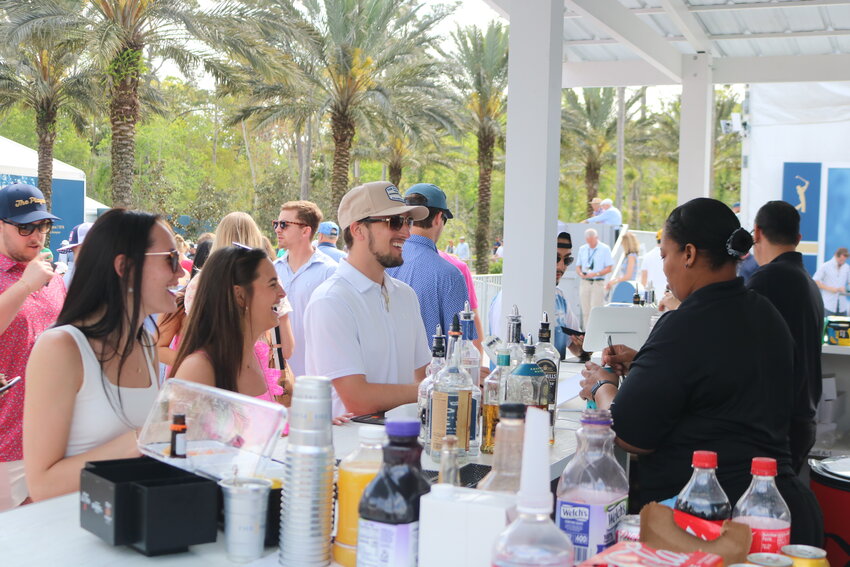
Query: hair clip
x,y
729,249
242,246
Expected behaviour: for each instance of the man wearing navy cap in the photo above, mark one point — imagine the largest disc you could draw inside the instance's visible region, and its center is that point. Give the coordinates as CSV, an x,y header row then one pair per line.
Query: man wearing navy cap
x,y
31,296
328,234
439,285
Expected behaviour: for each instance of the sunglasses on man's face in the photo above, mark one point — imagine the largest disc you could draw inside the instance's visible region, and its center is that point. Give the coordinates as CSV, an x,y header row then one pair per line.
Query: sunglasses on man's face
x,y
30,227
173,259
395,222
567,259
284,223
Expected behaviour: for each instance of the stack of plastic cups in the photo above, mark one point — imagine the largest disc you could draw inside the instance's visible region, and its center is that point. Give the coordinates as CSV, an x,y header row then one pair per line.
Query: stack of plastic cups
x,y
307,492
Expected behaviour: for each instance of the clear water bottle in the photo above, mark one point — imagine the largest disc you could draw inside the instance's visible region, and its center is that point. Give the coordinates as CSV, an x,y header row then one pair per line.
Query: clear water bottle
x,y
702,496
764,510
593,491
533,540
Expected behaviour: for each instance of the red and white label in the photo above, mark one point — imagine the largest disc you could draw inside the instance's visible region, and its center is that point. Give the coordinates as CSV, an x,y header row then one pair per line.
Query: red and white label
x,y
770,541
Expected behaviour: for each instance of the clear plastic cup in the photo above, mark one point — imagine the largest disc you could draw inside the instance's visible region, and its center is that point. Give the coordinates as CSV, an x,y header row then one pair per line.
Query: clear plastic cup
x,y
245,504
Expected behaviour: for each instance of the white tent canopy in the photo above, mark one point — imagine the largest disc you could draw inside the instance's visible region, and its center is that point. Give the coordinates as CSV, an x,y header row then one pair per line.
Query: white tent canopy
x,y
18,159
592,43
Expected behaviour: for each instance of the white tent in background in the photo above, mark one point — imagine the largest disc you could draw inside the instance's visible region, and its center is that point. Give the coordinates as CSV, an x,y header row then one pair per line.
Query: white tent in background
x,y
19,164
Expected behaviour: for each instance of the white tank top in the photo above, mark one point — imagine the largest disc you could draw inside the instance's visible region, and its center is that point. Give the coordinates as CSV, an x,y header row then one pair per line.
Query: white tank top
x,y
98,417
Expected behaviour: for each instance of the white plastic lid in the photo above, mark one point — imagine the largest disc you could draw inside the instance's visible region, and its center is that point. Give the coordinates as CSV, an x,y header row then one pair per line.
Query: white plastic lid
x,y
534,496
371,434
442,491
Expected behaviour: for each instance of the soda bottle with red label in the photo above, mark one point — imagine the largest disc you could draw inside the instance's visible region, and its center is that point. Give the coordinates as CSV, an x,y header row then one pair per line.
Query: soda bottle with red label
x,y
703,499
764,510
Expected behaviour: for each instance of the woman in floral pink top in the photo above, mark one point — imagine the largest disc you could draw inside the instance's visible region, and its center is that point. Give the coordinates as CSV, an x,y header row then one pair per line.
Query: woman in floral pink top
x,y
222,343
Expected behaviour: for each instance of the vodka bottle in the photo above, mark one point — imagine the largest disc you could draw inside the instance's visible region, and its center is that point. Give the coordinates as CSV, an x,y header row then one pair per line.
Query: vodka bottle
x,y
764,510
453,404
549,359
505,474
438,362
513,338
494,395
470,360
532,540
593,490
527,384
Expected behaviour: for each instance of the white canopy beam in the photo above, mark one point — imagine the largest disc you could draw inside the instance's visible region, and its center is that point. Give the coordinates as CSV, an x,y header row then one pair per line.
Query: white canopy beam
x,y
782,69
533,156
684,20
624,73
696,127
612,18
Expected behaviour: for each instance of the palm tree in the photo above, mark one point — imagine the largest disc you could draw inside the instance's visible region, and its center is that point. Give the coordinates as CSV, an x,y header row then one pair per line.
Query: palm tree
x,y
481,76
359,54
44,74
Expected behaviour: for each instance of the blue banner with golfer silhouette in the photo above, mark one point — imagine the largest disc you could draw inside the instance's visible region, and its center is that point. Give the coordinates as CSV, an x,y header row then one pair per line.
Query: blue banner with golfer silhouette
x,y
801,186
837,211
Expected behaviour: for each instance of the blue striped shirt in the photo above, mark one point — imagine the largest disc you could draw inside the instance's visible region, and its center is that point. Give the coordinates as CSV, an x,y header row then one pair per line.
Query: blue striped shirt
x,y
439,286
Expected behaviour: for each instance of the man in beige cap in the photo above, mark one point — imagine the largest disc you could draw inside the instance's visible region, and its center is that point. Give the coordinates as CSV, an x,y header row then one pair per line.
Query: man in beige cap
x,y
363,328
596,205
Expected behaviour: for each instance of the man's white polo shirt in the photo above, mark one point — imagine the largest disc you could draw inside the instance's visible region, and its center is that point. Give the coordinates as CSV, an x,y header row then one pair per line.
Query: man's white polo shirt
x,y
351,328
299,286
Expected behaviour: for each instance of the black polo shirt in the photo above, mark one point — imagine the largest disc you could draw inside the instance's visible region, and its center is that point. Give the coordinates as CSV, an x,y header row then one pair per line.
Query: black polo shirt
x,y
787,284
714,375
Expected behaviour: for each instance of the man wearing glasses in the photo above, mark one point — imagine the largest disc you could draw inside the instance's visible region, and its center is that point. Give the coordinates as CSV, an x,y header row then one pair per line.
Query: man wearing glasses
x,y
440,286
31,296
302,268
363,328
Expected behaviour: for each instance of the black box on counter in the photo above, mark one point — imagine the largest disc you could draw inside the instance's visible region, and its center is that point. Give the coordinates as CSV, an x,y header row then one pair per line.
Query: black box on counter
x,y
148,505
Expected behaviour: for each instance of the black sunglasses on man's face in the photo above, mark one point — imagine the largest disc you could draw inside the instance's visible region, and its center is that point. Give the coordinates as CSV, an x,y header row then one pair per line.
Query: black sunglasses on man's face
x,y
395,222
27,229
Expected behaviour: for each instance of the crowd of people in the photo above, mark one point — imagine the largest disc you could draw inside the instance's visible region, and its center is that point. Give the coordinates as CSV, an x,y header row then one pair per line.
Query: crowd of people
x,y
241,317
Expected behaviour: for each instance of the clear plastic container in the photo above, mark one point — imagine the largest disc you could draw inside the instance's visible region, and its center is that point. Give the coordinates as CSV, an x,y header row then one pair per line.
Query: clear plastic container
x,y
763,509
702,496
356,471
533,540
593,490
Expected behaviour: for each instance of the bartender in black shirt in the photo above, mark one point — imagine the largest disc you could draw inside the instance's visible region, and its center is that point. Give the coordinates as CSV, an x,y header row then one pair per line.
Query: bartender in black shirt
x,y
716,374
785,282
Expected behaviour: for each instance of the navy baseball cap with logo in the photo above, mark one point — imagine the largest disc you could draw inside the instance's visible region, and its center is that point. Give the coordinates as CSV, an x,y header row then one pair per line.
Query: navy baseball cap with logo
x,y
436,199
21,204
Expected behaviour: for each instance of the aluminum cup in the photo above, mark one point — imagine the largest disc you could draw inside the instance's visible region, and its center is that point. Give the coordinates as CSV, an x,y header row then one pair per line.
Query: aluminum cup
x,y
245,503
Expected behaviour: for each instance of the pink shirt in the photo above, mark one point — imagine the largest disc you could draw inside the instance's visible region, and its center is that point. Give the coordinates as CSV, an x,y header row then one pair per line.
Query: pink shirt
x,y
38,312
467,275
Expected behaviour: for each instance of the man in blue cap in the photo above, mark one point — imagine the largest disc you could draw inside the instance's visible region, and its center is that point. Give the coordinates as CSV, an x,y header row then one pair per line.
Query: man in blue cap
x,y
31,296
439,285
328,234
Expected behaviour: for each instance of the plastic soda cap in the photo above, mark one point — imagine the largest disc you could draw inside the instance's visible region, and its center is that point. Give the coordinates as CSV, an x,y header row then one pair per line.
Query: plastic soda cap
x,y
403,428
370,434
763,466
534,496
705,460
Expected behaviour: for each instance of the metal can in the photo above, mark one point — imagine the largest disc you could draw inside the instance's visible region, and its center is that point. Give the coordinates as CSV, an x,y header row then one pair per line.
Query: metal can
x,y
805,555
769,560
629,528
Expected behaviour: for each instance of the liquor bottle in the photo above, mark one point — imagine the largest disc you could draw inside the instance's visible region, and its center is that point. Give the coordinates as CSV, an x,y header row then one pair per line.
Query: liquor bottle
x,y
533,540
454,403
527,384
549,359
702,496
593,491
494,396
356,471
438,362
470,360
764,510
449,469
513,338
388,530
507,458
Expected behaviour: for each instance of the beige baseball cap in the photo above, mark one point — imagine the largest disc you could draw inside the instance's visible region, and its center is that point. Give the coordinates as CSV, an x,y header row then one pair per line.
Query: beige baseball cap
x,y
595,201
375,199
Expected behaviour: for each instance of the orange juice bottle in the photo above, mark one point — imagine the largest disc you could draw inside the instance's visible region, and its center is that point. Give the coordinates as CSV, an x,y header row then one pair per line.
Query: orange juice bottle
x,y
355,472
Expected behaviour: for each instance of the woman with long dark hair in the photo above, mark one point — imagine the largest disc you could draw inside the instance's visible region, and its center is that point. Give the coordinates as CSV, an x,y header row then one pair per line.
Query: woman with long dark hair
x,y
716,374
221,345
92,379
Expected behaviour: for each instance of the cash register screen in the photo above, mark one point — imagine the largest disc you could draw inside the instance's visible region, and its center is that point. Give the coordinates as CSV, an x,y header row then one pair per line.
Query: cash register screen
x,y
625,324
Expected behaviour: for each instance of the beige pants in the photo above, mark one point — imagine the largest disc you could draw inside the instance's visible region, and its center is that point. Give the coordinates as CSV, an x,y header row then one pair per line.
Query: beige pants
x,y
592,294
13,485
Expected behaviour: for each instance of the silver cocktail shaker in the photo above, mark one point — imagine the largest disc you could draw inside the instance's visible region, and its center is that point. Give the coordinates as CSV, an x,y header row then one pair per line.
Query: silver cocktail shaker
x,y
307,493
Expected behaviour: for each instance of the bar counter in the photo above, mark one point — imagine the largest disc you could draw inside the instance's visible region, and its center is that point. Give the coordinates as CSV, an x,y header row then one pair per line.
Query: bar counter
x,y
49,534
